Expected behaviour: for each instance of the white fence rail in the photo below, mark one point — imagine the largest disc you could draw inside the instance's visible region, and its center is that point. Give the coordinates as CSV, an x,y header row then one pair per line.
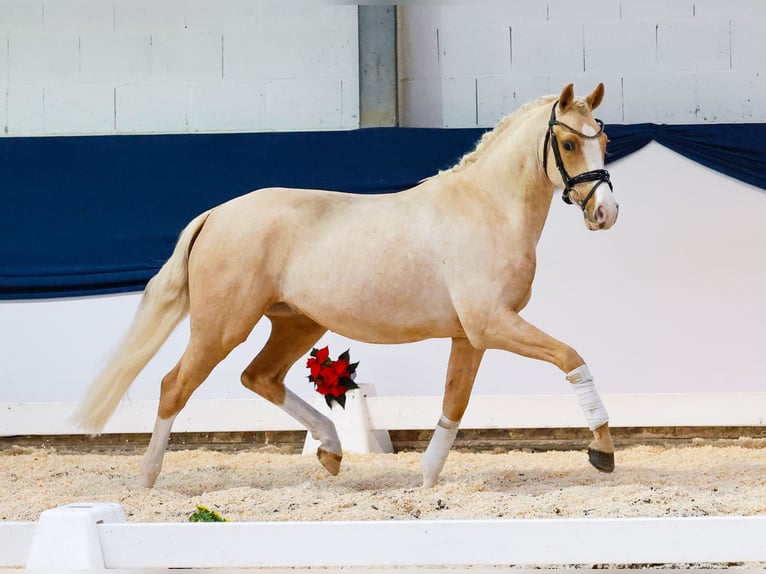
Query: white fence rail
x,y
102,542
395,413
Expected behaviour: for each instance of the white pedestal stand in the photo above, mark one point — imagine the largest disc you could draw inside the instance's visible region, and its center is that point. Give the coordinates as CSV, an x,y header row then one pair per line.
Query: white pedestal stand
x,y
353,424
67,537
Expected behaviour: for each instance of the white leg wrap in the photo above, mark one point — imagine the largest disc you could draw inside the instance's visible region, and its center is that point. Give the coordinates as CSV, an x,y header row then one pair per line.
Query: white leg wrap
x,y
588,397
152,464
436,454
320,427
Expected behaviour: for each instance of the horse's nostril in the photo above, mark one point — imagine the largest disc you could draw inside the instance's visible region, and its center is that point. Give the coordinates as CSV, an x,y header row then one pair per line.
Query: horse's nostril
x,y
600,214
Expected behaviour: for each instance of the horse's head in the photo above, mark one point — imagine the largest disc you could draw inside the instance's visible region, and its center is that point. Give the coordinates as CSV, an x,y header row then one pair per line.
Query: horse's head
x,y
575,145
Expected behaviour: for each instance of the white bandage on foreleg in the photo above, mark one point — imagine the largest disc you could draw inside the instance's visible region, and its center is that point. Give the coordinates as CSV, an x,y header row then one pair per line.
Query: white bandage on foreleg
x,y
588,397
438,449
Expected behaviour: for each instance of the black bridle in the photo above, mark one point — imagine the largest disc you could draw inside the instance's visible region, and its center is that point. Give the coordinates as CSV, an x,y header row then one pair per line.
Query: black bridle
x,y
598,175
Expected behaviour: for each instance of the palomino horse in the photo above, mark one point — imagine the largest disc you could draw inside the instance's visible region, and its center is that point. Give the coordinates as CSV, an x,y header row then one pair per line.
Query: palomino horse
x,y
452,257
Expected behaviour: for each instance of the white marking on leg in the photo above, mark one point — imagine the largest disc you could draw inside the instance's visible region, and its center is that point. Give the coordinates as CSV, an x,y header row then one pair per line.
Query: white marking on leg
x,y
152,464
320,426
588,397
436,454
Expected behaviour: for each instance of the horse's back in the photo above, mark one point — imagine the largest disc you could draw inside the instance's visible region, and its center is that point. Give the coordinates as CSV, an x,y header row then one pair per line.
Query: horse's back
x,y
364,266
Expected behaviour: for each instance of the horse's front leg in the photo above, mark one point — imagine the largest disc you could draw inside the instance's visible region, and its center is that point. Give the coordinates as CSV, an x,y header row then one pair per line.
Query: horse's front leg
x,y
464,362
507,330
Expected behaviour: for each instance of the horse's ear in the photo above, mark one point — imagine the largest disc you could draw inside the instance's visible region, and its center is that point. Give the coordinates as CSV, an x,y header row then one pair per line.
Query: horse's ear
x,y
566,97
595,97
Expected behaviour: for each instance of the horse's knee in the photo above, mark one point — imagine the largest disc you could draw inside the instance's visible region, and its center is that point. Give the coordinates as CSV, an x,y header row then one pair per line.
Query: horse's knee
x,y
270,388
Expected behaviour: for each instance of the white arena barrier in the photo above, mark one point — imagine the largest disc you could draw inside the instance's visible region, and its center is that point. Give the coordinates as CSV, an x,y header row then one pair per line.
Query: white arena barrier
x,y
96,536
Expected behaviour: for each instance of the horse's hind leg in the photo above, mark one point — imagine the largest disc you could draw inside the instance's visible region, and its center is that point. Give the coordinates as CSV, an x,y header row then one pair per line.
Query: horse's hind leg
x,y
192,369
291,337
464,362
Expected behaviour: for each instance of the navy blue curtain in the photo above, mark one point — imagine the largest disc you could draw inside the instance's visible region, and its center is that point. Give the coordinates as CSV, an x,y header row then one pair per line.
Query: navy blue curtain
x,y
100,214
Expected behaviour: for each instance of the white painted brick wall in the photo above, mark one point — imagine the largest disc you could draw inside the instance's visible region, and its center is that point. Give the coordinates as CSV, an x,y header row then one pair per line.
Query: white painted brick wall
x,y
187,56
228,106
748,45
661,61
474,51
607,50
43,59
21,17
655,11
693,45
82,108
4,41
115,57
152,107
133,66
78,16
231,65
25,110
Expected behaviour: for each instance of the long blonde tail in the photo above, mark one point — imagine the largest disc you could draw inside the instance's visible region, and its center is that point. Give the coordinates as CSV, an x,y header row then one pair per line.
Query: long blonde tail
x,y
164,304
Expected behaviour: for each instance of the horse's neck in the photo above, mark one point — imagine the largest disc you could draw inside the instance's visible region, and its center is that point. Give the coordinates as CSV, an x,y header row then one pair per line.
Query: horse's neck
x,y
510,173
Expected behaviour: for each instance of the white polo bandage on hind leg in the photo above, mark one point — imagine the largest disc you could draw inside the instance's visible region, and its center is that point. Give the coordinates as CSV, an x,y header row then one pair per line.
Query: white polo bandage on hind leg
x,y
436,454
588,397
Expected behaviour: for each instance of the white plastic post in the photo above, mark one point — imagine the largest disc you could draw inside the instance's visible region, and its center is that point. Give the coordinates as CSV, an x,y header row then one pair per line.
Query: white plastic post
x,y
67,537
352,424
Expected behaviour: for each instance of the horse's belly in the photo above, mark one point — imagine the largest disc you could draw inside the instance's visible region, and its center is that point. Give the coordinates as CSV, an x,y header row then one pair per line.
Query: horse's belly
x,y
375,323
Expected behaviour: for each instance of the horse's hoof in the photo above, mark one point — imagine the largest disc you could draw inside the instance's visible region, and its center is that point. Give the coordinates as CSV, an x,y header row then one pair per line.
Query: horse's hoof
x,y
603,461
329,460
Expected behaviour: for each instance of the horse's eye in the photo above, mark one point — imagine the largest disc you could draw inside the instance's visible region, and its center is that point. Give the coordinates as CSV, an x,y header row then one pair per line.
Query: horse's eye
x,y
569,145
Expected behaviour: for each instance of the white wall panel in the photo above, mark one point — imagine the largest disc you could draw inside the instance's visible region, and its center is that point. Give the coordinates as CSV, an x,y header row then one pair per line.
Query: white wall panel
x,y
222,17
349,101
729,9
25,110
420,102
310,54
43,59
679,102
21,17
152,17
667,51
609,48
498,96
116,57
155,55
418,44
78,16
656,10
584,10
4,42
748,44
304,104
693,45
727,94
547,47
228,106
474,51
85,108
187,56
448,102
152,107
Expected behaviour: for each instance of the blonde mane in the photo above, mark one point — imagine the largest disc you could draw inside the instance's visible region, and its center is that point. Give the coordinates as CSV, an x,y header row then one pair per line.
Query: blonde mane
x,y
489,137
